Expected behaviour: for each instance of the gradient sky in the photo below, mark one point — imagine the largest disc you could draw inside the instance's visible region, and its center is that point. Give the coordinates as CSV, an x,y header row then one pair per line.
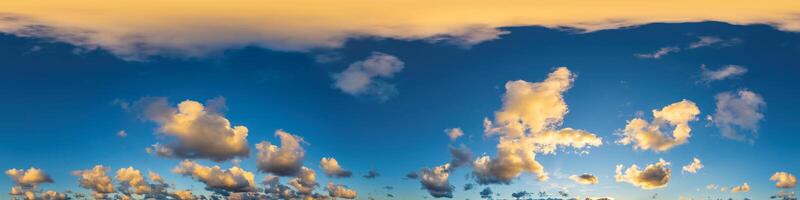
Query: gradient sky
x,y
63,103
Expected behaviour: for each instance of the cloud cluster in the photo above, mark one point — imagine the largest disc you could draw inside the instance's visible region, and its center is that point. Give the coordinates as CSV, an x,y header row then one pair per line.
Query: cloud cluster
x,y
652,177
742,110
96,180
646,135
367,77
234,179
726,72
286,26
586,179
436,181
132,178
27,181
693,167
286,160
784,180
305,181
331,168
340,191
741,188
527,124
201,132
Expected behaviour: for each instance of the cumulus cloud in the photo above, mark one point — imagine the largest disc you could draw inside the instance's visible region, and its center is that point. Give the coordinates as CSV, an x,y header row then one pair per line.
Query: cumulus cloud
x,y
371,174
586,179
28,178
742,110
646,135
412,175
368,77
461,156
96,180
340,191
436,181
784,180
652,177
331,168
726,72
741,188
217,179
130,178
693,167
290,28
527,124
659,53
486,193
286,160
122,133
305,181
454,133
183,195
200,131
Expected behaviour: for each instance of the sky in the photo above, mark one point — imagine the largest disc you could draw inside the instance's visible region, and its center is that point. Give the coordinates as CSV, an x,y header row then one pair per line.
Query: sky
x,y
355,101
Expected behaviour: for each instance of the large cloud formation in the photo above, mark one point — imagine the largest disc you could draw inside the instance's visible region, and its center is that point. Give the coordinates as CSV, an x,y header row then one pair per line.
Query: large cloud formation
x,y
217,179
120,26
26,182
652,177
367,77
286,160
646,135
436,181
331,168
96,180
526,125
784,180
201,132
741,110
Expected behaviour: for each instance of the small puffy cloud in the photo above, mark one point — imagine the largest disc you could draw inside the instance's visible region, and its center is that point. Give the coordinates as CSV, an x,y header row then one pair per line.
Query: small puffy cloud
x,y
122,133
741,188
371,174
486,193
234,179
586,179
305,181
367,77
652,177
201,132
183,195
742,110
331,168
52,195
659,53
729,71
132,178
340,191
412,175
436,181
28,178
96,180
461,156
784,180
694,166
646,135
286,160
454,133
527,124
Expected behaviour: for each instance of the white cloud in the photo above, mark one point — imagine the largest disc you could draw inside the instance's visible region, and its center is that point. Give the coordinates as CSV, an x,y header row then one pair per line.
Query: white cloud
x,y
96,180
454,133
653,176
585,179
648,136
122,133
234,179
659,53
286,160
132,178
528,124
368,77
741,188
331,168
726,72
340,191
693,167
436,181
784,180
201,132
741,110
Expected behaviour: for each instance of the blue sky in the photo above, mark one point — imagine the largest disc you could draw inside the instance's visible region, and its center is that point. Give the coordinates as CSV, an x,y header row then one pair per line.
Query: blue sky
x,y
61,108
